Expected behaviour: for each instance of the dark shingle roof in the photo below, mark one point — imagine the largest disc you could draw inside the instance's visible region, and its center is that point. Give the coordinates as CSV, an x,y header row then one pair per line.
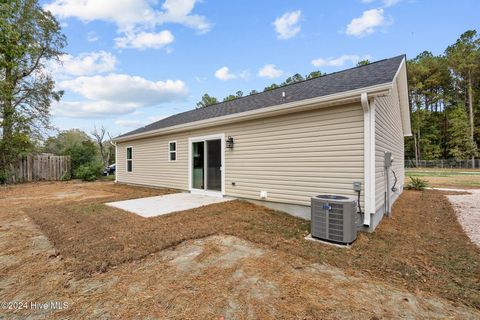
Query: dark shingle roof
x,y
375,73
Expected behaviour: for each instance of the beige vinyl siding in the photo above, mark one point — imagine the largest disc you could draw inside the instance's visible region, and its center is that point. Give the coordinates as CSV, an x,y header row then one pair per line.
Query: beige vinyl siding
x,y
388,138
292,157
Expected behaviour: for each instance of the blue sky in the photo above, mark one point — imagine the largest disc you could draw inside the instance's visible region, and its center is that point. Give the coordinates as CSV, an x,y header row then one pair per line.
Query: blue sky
x,y
131,62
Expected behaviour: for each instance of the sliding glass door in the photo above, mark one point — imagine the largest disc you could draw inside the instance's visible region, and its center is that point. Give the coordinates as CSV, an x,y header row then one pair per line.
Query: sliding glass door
x,y
207,165
214,165
198,165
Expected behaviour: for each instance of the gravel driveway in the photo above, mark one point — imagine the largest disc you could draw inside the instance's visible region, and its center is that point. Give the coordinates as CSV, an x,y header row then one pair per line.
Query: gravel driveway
x,y
467,208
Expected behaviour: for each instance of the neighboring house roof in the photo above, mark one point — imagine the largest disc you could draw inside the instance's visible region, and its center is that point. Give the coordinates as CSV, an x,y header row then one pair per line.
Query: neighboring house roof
x,y
376,73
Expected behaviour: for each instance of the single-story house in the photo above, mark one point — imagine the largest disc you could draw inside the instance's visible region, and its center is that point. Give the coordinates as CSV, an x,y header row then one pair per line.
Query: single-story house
x,y
283,146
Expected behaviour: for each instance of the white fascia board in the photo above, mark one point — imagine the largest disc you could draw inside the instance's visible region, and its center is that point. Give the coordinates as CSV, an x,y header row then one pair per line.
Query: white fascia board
x,y
401,86
297,106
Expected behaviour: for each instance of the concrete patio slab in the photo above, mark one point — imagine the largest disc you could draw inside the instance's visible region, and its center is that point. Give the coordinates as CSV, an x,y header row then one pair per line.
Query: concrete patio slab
x,y
160,205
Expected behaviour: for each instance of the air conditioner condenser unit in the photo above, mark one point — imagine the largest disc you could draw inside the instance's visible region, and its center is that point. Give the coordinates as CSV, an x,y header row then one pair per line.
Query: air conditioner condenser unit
x,y
333,218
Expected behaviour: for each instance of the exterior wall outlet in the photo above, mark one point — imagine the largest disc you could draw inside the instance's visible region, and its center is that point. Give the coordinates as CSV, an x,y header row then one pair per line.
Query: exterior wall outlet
x,y
263,194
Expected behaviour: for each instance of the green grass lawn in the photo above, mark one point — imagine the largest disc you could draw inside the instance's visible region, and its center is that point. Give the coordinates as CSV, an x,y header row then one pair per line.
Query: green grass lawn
x,y
436,177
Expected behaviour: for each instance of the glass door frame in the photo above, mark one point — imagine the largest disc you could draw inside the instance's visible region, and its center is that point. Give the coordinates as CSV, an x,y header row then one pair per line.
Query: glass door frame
x,y
204,139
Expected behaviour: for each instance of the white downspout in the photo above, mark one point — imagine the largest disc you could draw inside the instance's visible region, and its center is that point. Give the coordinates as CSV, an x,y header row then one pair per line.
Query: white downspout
x,y
369,157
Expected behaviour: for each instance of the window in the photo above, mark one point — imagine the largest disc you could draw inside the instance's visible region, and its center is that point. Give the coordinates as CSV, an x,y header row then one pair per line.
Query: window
x,y
172,151
129,159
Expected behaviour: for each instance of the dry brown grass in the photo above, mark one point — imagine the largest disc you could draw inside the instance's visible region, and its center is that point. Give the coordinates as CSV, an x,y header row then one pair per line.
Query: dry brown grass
x,y
421,248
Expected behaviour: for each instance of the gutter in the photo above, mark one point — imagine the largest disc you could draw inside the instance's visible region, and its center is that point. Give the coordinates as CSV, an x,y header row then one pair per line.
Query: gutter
x,y
297,106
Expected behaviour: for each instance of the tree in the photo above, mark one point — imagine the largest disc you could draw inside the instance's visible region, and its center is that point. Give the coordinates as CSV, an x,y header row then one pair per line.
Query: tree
x,y
29,38
271,87
64,140
363,62
314,74
230,97
103,145
206,101
293,79
463,58
430,93
82,153
460,144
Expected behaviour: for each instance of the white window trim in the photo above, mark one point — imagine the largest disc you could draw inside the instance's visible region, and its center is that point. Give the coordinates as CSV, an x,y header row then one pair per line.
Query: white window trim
x,y
169,151
126,159
220,136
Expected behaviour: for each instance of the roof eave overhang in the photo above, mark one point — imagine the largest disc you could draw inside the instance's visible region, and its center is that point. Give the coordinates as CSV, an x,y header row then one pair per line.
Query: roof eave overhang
x,y
297,106
401,82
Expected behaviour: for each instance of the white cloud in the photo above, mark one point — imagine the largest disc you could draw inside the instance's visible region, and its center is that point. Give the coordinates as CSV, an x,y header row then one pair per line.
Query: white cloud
x,y
132,123
134,18
116,94
386,3
125,13
92,37
87,63
224,74
91,109
144,40
270,71
129,123
130,13
200,79
389,3
287,26
367,23
125,88
180,11
339,61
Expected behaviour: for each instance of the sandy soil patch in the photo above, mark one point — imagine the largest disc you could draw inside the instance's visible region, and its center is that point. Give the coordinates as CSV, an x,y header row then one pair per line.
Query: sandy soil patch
x,y
467,207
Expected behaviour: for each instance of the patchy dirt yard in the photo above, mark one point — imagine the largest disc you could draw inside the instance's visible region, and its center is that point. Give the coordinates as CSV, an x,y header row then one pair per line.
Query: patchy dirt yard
x,y
59,243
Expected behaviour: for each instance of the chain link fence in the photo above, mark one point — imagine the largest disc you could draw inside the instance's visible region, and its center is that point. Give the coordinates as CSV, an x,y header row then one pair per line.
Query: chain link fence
x,y
442,163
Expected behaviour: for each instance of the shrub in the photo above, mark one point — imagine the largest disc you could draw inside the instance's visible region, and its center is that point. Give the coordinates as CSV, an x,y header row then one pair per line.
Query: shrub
x,y
66,176
84,159
82,153
89,172
4,175
416,184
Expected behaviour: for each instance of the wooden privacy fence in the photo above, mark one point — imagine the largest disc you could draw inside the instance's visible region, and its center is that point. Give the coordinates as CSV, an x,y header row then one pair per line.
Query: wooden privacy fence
x,y
40,167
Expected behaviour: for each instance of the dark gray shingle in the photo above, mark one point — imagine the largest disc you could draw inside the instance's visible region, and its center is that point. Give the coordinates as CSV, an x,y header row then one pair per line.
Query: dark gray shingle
x,y
375,73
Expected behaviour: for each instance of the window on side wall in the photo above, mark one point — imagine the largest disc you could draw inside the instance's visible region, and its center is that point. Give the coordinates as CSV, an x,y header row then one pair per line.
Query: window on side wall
x,y
172,151
129,159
